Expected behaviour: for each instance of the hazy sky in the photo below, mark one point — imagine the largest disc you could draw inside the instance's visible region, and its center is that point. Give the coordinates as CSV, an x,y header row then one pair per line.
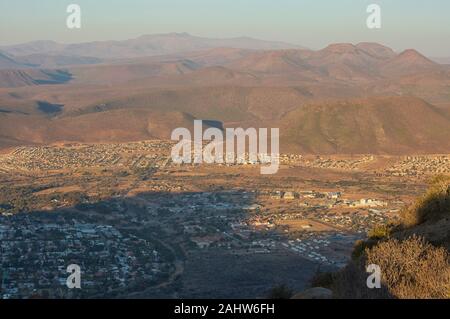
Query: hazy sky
x,y
420,24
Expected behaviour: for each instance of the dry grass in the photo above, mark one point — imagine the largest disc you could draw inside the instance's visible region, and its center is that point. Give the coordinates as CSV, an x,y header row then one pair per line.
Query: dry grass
x,y
281,291
411,268
323,279
432,206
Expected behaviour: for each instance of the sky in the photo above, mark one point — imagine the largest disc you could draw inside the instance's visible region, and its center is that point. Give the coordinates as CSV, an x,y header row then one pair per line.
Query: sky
x,y
420,24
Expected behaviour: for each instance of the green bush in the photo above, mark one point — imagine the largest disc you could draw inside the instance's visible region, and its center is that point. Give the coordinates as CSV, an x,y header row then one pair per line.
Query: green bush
x,y
380,231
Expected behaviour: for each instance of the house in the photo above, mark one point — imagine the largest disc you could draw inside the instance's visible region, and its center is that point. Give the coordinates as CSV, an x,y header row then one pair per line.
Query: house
x,y
252,207
334,195
276,195
368,203
289,195
206,241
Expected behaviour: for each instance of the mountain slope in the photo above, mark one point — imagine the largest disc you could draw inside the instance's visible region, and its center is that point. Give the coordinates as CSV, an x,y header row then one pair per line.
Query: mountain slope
x,y
226,104
282,61
377,50
55,61
239,87
109,126
409,62
34,47
8,62
120,73
394,125
29,77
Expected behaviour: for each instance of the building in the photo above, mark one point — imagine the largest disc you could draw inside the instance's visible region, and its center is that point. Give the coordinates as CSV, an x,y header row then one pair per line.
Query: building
x,y
289,196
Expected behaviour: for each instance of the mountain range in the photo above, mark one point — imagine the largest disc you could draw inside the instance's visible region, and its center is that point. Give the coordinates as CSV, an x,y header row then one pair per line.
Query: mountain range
x,y
146,45
345,98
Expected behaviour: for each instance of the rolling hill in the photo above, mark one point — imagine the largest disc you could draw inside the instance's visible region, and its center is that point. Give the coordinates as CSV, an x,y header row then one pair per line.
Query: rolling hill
x,y
43,61
389,125
109,126
28,77
345,98
409,62
8,62
55,61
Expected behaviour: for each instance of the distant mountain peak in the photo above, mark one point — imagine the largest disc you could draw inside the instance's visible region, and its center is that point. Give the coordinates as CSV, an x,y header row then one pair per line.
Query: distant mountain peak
x,y
376,49
181,34
409,62
340,48
414,58
413,54
143,46
170,34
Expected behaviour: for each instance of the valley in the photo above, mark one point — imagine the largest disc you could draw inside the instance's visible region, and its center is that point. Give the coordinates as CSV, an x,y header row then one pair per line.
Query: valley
x,y
79,200
87,176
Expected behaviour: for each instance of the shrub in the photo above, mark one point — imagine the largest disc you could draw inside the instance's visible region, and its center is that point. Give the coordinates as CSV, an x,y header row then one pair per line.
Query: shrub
x,y
280,292
380,231
361,246
411,268
323,279
434,205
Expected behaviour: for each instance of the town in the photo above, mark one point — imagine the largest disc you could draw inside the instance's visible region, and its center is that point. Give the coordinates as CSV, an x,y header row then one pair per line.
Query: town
x,y
140,225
